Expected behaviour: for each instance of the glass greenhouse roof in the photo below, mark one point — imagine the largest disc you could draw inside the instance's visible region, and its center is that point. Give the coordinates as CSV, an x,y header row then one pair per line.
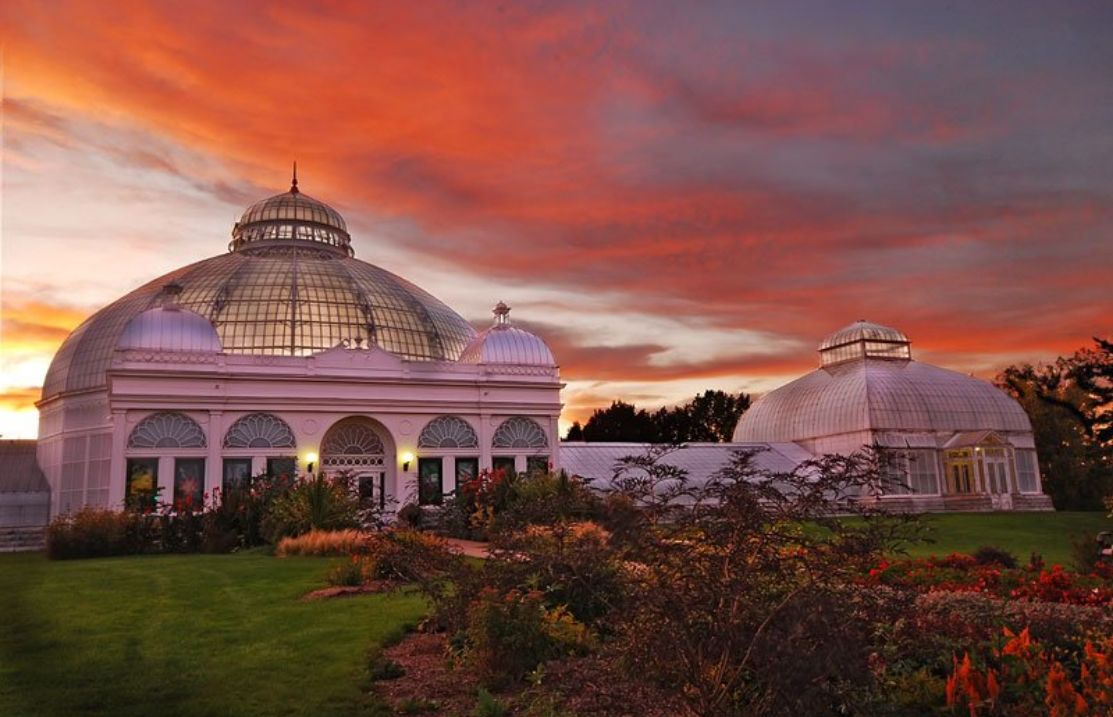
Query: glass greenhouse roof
x,y
277,293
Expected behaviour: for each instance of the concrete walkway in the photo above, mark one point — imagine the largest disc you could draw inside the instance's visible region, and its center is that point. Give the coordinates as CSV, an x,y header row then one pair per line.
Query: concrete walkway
x,y
469,548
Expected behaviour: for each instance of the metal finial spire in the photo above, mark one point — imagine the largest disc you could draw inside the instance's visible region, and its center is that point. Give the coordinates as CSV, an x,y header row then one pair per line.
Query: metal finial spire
x,y
502,313
294,183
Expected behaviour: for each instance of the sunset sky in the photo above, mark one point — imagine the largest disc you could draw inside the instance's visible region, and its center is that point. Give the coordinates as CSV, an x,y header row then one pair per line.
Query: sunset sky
x,y
676,196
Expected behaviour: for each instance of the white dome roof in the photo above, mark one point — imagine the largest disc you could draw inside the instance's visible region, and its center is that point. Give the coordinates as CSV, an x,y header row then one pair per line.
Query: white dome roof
x,y
862,330
170,329
506,344
872,394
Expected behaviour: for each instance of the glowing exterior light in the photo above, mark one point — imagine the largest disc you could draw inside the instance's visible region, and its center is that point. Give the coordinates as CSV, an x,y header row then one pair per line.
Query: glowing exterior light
x,y
407,459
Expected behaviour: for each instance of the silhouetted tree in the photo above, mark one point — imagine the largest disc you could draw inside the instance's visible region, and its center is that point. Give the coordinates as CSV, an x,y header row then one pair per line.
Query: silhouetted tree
x,y
575,432
1068,403
621,422
711,416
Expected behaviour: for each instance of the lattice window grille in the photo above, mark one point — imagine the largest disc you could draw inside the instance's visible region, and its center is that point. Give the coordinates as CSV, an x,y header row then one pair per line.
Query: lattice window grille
x,y
259,430
519,432
167,429
350,445
448,432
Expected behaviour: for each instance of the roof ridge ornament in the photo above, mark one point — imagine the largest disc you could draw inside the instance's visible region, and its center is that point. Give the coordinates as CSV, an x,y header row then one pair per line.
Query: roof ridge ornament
x,y
294,182
502,314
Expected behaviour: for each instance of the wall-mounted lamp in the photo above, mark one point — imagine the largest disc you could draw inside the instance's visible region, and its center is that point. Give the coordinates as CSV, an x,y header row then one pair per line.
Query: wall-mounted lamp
x,y
407,459
310,459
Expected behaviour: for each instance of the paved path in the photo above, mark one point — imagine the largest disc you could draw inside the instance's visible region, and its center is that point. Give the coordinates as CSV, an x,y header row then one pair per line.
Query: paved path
x,y
470,548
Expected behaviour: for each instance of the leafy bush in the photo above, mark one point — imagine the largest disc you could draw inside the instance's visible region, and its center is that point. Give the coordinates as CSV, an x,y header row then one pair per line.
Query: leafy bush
x,y
510,634
316,503
88,533
487,705
348,573
406,556
322,543
410,515
1084,553
381,668
990,555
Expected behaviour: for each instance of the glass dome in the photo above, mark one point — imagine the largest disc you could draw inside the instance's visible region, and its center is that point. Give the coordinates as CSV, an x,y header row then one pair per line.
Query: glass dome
x,y
864,339
293,219
277,295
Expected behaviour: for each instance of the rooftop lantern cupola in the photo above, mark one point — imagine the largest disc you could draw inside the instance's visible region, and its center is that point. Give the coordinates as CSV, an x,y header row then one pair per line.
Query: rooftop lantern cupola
x,y
291,221
864,340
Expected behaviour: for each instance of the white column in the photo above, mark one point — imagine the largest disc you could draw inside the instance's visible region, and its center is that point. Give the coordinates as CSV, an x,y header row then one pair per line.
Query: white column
x,y
117,480
214,466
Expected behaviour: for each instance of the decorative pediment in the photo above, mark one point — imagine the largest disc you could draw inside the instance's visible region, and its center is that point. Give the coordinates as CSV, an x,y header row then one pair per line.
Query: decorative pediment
x,y
343,357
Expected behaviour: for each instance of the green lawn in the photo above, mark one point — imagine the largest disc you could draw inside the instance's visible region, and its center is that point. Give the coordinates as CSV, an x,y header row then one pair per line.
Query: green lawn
x,y
1020,533
185,635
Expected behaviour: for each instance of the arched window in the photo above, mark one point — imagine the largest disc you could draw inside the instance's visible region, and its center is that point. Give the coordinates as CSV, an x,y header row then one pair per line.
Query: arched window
x,y
448,432
519,432
351,443
259,430
167,429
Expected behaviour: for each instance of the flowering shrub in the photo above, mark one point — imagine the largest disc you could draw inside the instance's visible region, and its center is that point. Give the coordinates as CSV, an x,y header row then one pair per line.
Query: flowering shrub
x,y
1022,678
962,573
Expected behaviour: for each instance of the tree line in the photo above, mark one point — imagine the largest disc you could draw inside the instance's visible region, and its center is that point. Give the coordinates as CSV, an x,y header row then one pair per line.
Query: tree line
x,y
709,417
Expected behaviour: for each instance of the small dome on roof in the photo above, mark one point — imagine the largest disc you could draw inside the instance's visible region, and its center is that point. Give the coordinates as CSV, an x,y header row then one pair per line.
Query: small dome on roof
x,y
506,344
864,339
294,219
170,328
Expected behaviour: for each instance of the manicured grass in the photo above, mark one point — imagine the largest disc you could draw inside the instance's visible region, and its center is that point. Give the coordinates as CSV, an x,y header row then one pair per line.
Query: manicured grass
x,y
186,635
1020,533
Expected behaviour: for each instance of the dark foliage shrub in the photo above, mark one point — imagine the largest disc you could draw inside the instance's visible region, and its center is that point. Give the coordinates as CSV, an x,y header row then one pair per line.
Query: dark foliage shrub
x,y
406,555
347,573
742,610
88,533
1084,553
410,515
316,503
991,555
510,634
381,668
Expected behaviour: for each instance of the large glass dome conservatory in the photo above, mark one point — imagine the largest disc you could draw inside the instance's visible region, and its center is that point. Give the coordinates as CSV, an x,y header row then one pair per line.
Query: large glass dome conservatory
x,y
290,285
283,355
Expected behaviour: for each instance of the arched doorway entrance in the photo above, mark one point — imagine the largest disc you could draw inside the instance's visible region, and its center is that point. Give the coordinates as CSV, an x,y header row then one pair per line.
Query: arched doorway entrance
x,y
354,445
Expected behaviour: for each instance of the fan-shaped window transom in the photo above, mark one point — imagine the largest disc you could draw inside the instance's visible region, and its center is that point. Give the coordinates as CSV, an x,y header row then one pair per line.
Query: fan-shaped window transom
x,y
519,432
260,430
167,429
448,432
352,443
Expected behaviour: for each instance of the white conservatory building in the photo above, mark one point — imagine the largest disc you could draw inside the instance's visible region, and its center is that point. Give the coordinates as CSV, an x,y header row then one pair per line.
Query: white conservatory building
x,y
955,442
283,352
286,353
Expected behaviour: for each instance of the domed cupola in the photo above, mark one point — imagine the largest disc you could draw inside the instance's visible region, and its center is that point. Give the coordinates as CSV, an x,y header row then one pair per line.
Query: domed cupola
x,y
170,328
292,219
864,339
503,343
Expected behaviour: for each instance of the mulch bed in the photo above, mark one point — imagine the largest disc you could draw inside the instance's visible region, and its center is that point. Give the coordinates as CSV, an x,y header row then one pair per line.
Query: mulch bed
x,y
343,591
581,686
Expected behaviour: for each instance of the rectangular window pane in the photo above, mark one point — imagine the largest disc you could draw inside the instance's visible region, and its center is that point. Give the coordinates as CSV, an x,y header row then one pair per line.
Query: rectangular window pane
x,y
189,483
466,470
142,482
284,466
504,464
1026,471
366,488
537,464
430,485
237,474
